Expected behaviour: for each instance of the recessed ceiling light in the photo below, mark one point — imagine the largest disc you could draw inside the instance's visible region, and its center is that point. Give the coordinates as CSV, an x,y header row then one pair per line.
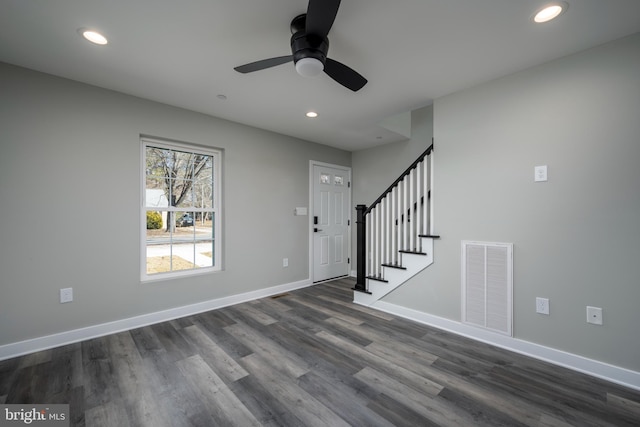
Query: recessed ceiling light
x,y
312,114
221,97
550,12
93,36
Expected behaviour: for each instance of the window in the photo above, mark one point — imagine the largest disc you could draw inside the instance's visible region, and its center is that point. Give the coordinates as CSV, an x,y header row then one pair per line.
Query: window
x,y
180,209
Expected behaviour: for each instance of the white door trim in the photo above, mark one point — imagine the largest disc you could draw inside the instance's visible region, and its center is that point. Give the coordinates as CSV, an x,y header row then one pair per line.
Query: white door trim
x,y
310,211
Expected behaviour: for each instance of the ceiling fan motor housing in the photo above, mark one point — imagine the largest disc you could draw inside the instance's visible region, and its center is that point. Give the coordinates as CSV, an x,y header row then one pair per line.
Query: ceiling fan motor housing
x,y
309,46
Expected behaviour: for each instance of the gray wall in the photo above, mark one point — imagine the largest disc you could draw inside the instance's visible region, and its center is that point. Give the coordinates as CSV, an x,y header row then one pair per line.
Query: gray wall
x,y
576,237
70,204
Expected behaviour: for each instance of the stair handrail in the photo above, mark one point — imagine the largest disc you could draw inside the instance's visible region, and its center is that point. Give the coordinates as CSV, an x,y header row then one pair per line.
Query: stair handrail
x,y
400,178
361,221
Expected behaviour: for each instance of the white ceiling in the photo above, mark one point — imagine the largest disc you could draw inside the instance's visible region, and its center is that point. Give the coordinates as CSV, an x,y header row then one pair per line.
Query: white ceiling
x,y
412,51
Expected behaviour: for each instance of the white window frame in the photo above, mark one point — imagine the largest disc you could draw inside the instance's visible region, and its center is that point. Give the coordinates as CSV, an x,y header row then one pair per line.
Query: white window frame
x,y
216,154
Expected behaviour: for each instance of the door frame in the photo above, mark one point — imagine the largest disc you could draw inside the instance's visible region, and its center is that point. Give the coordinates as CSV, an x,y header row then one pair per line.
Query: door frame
x,y
347,170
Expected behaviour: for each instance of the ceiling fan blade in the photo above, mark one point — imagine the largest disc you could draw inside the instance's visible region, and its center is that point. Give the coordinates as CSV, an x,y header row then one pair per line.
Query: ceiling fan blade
x,y
344,75
320,16
265,63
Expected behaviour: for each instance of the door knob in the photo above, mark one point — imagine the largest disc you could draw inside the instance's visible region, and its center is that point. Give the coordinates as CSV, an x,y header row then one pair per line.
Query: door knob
x,y
315,230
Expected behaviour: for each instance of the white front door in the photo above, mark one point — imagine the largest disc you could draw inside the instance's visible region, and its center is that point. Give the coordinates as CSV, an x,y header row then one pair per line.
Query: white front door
x,y
331,222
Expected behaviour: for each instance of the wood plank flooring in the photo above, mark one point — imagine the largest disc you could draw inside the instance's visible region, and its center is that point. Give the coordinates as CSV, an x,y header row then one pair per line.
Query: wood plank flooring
x,y
307,358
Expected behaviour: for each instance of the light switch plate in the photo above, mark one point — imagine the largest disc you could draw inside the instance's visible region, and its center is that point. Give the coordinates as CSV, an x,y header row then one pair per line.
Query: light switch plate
x,y
540,173
300,211
66,295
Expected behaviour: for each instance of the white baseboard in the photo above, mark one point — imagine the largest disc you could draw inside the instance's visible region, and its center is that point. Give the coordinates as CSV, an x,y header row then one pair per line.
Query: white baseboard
x,y
605,371
11,350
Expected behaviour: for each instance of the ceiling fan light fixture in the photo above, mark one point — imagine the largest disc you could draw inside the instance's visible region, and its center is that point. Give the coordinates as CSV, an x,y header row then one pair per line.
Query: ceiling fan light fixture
x,y
309,67
550,12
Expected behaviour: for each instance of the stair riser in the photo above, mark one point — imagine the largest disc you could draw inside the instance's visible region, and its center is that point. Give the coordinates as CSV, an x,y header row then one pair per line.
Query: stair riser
x,y
412,264
363,298
396,277
376,287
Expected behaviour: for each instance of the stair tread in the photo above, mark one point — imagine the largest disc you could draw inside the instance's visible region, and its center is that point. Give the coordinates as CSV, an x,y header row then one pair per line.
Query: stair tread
x,y
406,251
398,266
379,279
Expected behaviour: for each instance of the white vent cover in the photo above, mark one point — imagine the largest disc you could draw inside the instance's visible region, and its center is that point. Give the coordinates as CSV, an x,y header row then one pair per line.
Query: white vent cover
x,y
487,285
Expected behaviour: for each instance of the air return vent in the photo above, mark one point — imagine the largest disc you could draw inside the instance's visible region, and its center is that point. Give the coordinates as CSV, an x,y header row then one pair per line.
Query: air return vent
x,y
487,285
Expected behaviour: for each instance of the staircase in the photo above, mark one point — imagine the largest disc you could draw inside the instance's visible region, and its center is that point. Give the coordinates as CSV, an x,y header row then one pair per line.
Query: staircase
x,y
395,239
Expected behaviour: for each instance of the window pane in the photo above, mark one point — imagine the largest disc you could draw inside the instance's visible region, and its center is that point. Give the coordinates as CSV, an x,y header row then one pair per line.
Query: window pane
x,y
184,226
204,253
157,243
203,190
204,225
183,166
183,190
157,227
183,256
156,161
159,257
205,240
155,195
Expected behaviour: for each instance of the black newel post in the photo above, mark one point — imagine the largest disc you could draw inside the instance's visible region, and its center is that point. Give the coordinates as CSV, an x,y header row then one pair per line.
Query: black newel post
x,y
361,237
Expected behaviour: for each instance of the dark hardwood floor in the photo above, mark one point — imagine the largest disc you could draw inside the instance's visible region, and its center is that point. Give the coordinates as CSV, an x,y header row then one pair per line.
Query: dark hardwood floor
x,y
307,358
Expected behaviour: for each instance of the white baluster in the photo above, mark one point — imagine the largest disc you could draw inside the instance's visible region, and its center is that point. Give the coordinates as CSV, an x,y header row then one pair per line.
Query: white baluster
x,y
383,232
411,213
394,229
387,229
374,242
429,189
396,237
399,216
418,212
378,239
367,232
425,195
405,223
369,242
367,245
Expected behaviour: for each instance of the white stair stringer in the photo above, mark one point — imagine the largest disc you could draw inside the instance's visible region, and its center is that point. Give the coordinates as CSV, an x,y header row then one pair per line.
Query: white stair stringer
x,y
412,263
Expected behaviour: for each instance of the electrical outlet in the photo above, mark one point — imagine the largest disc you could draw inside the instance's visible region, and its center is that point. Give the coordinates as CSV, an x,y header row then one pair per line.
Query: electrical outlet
x,y
594,315
66,295
285,262
542,306
540,173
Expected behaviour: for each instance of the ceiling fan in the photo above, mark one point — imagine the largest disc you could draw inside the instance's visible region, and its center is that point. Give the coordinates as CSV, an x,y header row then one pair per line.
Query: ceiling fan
x,y
309,47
